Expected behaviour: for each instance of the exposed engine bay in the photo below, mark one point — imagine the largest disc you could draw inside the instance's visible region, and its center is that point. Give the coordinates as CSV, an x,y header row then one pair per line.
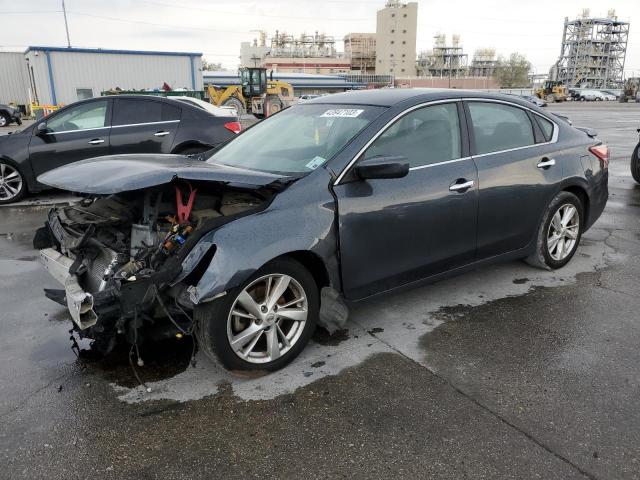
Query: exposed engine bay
x,y
118,255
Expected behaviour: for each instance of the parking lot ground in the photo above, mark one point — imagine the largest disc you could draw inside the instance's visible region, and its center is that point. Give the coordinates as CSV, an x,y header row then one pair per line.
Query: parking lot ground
x,y
505,372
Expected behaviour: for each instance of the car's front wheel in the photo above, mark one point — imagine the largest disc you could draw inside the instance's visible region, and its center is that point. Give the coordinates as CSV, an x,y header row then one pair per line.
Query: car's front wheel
x,y
263,324
12,184
4,120
559,233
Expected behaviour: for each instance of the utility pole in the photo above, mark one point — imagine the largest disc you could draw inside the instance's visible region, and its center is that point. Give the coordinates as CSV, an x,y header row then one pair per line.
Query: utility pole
x,y
66,24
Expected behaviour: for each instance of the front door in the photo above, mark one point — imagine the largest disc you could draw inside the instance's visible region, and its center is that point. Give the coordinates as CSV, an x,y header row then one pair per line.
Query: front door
x,y
72,134
143,126
396,231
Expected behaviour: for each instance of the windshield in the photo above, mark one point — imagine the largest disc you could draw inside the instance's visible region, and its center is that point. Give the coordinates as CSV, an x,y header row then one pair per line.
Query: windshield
x,y
298,140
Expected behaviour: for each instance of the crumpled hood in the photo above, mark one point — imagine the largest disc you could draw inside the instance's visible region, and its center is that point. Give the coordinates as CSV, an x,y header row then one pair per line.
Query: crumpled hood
x,y
122,173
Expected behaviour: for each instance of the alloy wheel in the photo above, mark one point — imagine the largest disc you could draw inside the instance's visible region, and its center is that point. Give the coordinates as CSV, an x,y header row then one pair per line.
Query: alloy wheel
x,y
267,318
563,232
3,121
10,182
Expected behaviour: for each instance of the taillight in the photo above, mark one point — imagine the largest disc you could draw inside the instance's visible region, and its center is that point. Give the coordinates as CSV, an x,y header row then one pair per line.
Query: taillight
x,y
235,127
602,152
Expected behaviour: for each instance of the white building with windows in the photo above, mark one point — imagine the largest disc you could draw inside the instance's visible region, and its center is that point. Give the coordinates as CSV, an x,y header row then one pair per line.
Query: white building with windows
x,y
60,75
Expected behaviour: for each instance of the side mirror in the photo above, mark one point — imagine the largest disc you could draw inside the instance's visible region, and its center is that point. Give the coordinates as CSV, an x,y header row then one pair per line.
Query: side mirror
x,y
382,167
42,128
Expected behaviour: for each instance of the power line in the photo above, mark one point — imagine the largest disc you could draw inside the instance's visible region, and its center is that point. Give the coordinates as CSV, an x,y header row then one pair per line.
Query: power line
x,y
245,14
167,25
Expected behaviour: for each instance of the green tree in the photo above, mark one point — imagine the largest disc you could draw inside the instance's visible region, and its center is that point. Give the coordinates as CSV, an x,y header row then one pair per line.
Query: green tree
x,y
211,67
512,72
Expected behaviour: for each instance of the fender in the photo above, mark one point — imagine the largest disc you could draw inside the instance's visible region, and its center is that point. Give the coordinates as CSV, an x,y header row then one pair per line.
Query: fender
x,y
289,224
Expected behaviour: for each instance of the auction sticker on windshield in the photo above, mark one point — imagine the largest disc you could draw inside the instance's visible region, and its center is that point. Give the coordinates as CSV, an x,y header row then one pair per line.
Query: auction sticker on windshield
x,y
342,112
315,163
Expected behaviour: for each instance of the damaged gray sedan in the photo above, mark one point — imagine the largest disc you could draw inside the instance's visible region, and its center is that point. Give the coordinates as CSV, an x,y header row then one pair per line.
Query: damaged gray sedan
x,y
340,198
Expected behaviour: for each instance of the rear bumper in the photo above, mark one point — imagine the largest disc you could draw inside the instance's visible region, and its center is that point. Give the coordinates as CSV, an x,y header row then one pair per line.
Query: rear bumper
x,y
599,196
79,302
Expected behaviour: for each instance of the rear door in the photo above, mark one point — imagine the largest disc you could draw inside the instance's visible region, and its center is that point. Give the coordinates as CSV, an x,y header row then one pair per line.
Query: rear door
x,y
143,125
74,133
395,231
518,172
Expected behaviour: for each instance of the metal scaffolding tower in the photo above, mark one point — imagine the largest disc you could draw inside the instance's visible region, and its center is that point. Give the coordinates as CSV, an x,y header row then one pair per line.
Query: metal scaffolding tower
x,y
483,62
593,52
444,60
304,46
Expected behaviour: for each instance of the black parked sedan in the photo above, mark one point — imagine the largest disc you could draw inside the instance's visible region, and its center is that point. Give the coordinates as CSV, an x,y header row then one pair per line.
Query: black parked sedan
x,y
350,195
9,115
104,126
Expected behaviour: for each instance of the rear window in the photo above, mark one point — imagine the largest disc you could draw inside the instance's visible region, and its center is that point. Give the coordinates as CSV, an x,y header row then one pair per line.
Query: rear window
x,y
134,111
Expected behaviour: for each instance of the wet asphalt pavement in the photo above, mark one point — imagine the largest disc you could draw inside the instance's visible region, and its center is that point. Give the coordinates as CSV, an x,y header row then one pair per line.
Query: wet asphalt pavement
x,y
506,372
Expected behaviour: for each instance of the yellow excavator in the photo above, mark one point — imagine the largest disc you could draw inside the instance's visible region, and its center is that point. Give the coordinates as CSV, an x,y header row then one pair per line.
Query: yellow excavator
x,y
552,91
255,94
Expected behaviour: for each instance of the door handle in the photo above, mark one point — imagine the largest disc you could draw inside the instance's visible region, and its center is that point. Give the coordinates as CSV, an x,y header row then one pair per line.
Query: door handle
x,y
461,187
96,141
546,163
161,134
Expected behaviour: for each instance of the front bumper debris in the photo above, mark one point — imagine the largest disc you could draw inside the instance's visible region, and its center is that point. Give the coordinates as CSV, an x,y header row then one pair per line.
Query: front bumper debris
x,y
79,302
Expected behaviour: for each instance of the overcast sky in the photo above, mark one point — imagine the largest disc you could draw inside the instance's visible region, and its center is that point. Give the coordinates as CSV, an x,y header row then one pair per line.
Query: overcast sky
x,y
216,27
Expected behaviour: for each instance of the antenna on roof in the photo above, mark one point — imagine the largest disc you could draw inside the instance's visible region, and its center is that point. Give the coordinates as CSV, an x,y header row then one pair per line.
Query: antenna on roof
x,y
66,25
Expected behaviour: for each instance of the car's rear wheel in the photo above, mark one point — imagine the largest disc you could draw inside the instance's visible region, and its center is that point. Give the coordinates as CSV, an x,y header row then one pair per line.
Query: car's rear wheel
x,y
263,324
559,233
4,120
635,164
12,184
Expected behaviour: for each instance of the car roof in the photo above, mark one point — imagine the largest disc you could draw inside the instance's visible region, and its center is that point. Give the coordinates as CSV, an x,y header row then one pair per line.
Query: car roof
x,y
387,97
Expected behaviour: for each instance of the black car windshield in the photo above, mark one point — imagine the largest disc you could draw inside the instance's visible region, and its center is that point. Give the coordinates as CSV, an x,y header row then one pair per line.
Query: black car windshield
x,y
297,140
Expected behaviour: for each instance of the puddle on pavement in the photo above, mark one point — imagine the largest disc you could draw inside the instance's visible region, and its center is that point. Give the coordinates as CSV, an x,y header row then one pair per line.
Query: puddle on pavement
x,y
162,360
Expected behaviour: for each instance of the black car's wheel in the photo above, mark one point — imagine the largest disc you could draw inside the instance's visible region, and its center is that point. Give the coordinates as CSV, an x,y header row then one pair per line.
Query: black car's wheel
x,y
559,233
12,184
263,324
4,120
635,164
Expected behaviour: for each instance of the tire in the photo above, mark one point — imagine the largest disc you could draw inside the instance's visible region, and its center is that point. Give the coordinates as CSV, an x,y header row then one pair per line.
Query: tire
x,y
4,120
551,258
234,103
635,164
272,106
550,98
216,325
582,99
13,185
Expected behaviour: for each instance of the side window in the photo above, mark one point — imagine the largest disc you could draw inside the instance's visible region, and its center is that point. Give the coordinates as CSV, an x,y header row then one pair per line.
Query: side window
x,y
425,136
82,117
546,126
499,127
133,111
170,112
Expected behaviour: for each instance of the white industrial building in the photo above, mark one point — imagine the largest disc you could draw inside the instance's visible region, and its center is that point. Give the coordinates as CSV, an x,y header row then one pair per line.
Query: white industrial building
x,y
59,76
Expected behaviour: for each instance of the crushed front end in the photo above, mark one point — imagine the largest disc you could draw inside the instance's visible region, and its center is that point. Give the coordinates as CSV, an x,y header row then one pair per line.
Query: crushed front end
x,y
117,256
